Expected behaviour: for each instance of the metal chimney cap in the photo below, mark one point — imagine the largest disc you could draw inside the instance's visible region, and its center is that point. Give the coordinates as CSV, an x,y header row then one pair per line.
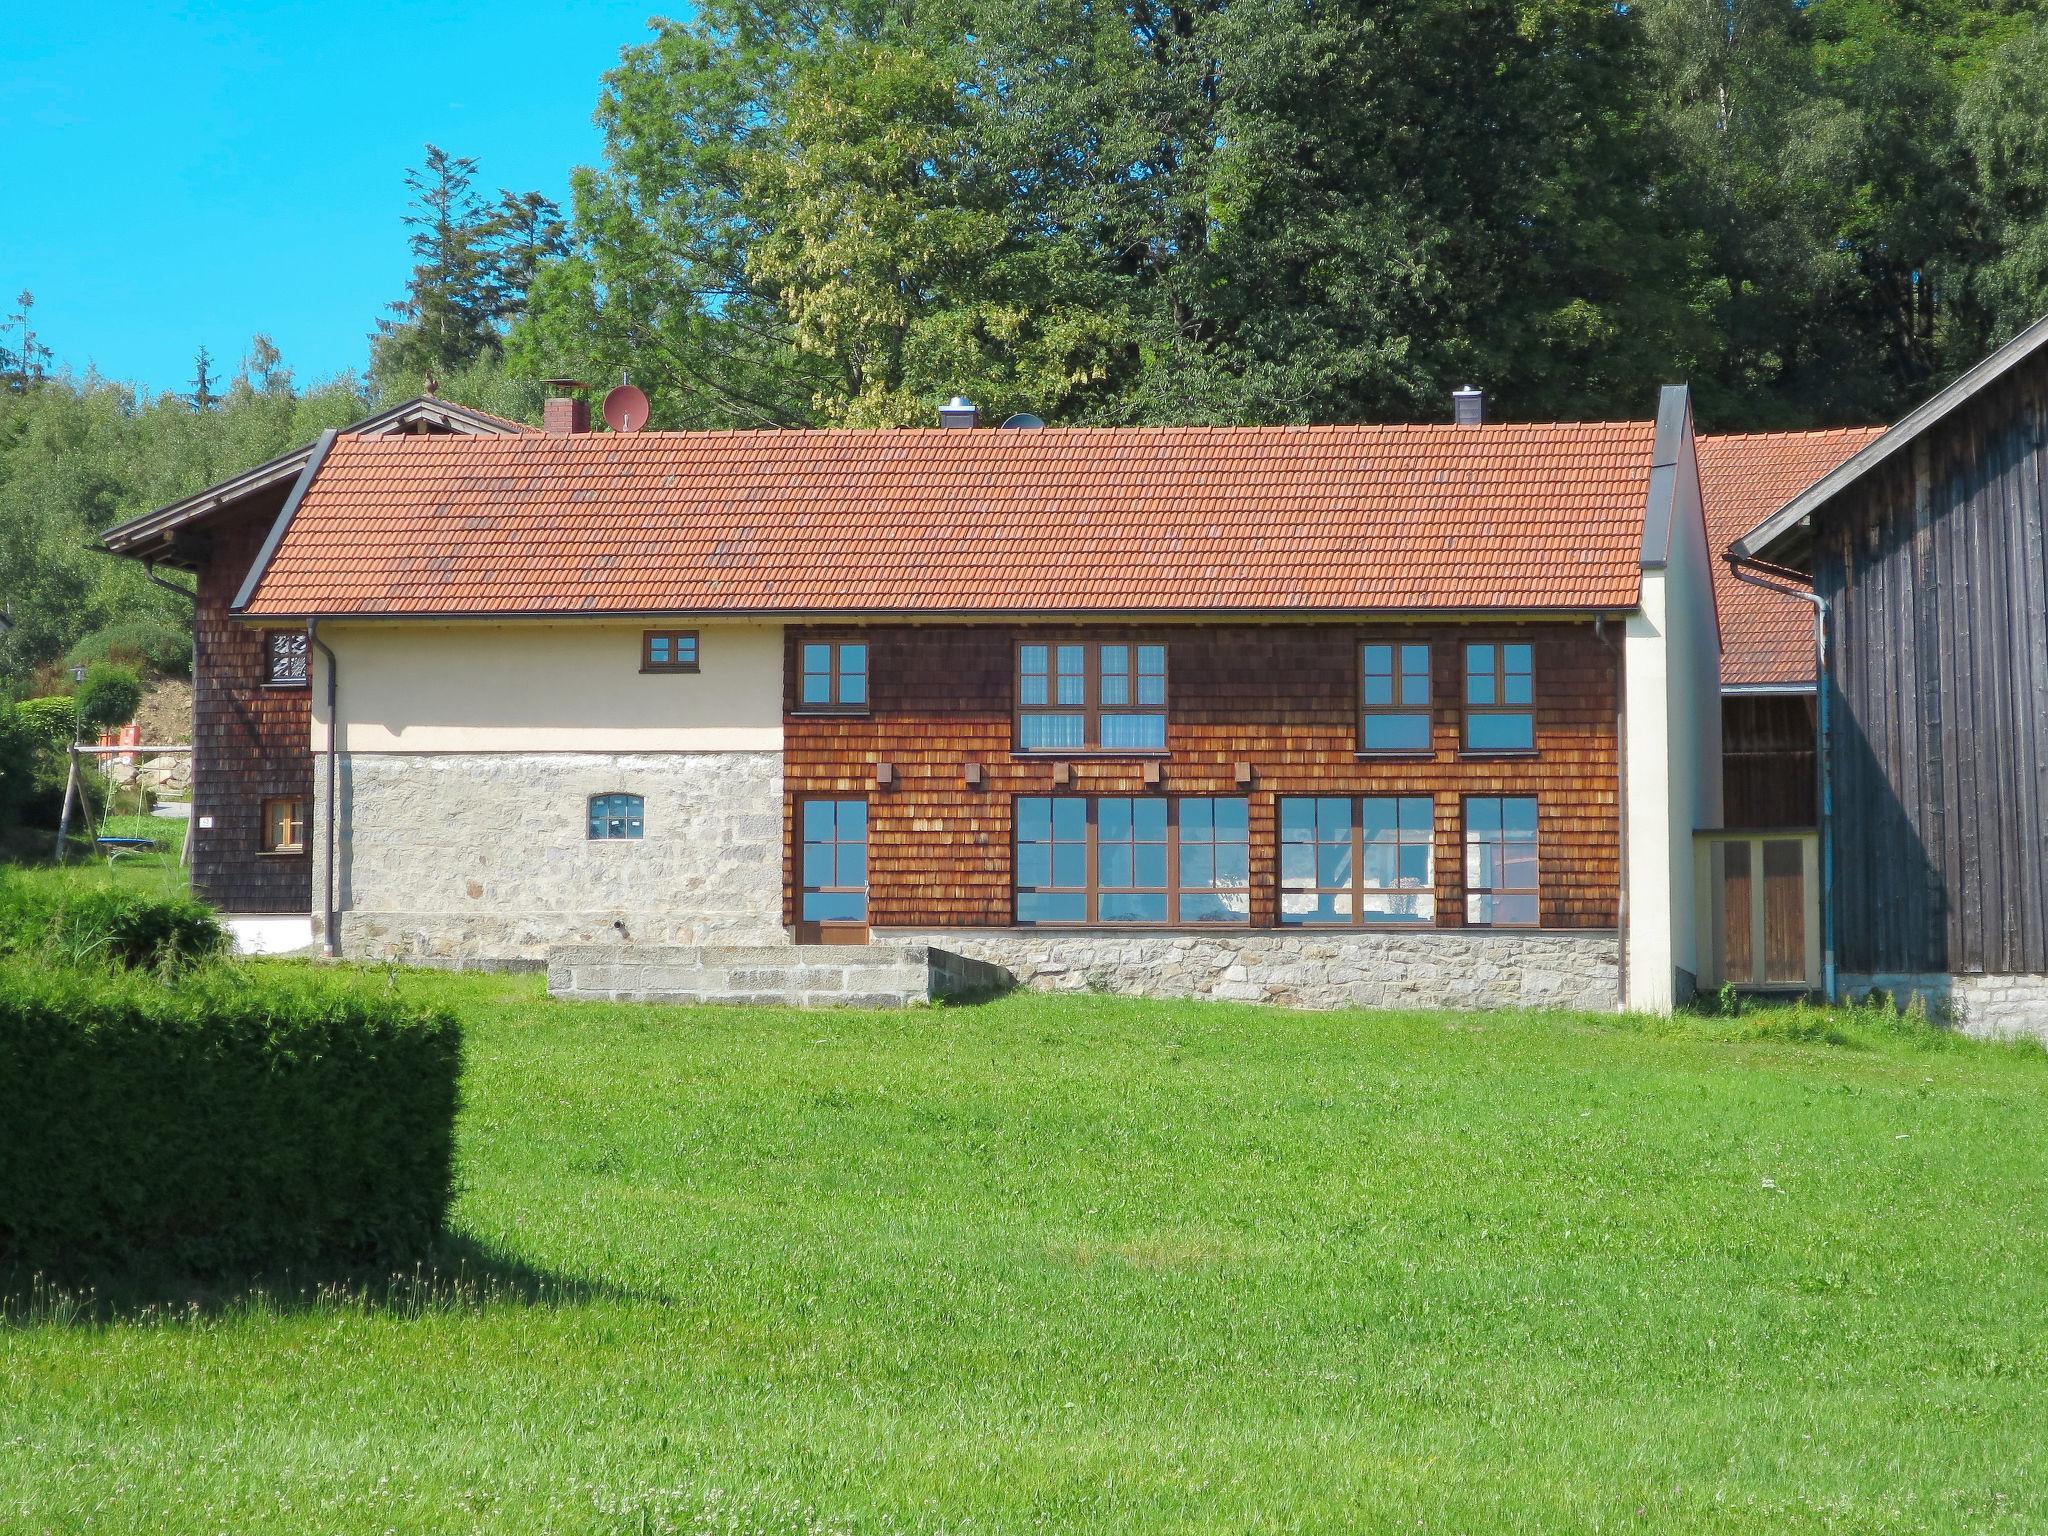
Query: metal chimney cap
x,y
959,412
1468,406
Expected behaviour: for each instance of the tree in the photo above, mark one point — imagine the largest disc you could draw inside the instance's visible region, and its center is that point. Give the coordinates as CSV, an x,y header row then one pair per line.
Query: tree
x,y
30,358
525,230
2004,120
444,320
204,395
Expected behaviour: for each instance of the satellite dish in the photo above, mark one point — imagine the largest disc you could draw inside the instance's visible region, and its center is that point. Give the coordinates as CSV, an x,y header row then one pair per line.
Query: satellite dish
x,y
1024,419
625,408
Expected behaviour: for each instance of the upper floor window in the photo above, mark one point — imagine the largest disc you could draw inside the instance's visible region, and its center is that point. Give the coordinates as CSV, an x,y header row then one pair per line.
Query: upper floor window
x,y
1088,697
834,675
1368,859
1122,859
668,650
1396,698
617,816
1500,697
1500,861
284,657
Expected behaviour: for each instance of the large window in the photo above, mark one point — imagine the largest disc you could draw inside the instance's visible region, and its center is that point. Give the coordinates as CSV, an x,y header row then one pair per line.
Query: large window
x,y
1500,861
834,862
284,824
1395,701
1133,860
1500,697
1368,859
1086,697
284,658
617,817
834,677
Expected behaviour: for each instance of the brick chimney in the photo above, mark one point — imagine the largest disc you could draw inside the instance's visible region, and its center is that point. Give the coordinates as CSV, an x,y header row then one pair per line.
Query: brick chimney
x,y
566,410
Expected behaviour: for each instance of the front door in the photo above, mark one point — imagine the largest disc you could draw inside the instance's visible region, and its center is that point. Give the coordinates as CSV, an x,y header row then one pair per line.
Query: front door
x,y
832,871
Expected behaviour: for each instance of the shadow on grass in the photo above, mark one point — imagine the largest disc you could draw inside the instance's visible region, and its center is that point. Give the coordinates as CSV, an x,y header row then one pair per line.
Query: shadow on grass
x,y
459,1274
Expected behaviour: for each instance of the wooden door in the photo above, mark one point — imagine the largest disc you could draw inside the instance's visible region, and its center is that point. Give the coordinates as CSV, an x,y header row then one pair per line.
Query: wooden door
x,y
832,871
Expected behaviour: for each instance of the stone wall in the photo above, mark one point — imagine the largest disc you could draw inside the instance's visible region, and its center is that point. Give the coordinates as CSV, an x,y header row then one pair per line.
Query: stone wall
x,y
1991,1007
791,975
1428,968
485,857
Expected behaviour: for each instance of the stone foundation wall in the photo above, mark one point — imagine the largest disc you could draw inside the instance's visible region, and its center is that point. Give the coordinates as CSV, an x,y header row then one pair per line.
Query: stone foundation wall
x,y
1991,1007
1431,968
472,858
790,975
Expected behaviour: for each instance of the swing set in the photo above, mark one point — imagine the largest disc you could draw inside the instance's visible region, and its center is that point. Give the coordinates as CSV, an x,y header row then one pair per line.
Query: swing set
x,y
114,846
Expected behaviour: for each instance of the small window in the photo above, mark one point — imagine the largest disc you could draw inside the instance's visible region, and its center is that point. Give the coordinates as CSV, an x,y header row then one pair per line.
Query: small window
x,y
1395,702
284,824
284,658
1364,860
1082,697
834,676
614,817
1500,698
1500,861
668,650
1132,860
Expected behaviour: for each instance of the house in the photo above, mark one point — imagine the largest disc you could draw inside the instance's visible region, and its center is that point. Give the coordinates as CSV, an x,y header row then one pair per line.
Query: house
x,y
1320,714
1926,550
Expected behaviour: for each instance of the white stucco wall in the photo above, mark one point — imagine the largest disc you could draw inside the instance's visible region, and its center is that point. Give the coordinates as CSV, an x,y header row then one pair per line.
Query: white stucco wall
x,y
561,686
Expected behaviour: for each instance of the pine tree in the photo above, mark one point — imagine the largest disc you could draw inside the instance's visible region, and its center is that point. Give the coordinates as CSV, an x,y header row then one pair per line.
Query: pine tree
x,y
29,361
444,321
204,396
523,231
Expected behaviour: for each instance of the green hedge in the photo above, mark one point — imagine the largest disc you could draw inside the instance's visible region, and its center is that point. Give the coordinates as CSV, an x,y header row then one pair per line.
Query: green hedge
x,y
221,1125
83,925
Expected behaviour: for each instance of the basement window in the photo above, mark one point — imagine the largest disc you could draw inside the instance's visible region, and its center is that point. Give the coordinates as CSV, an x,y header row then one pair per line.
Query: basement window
x,y
834,677
615,818
1500,861
668,650
284,658
284,824
1500,697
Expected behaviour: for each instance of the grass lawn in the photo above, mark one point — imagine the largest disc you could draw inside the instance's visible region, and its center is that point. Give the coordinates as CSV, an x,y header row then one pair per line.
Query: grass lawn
x,y
1095,1265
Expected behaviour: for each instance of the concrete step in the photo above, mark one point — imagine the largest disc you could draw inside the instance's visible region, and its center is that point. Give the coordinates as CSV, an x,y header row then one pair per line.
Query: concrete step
x,y
886,975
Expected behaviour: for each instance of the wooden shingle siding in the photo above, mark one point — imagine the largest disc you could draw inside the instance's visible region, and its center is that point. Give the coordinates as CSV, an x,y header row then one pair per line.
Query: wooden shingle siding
x,y
250,742
1280,697
1936,568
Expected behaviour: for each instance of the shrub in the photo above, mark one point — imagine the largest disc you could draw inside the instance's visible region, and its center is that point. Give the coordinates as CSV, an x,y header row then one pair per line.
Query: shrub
x,y
50,722
86,925
109,696
221,1126
148,640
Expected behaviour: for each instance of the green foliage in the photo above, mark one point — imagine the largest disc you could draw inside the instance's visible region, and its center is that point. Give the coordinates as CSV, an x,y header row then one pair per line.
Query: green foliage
x,y
108,696
50,722
152,640
105,925
219,1125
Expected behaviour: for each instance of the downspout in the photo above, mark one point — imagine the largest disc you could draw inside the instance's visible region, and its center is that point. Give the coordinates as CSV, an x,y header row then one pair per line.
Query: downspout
x,y
1823,746
327,945
1620,802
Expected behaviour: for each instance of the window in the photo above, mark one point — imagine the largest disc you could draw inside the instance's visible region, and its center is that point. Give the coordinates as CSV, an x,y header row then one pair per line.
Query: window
x,y
1500,861
284,658
1396,698
1091,698
1357,860
284,824
1500,698
834,676
616,817
834,865
668,650
1132,860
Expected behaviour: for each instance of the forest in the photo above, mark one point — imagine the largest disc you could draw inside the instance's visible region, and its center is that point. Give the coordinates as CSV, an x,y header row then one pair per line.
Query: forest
x,y
1232,211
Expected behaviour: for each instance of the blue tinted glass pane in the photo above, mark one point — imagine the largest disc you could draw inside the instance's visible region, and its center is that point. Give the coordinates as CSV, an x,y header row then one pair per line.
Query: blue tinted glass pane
x,y
853,864
1515,909
1482,816
853,688
1197,820
853,658
1518,816
1031,690
1298,865
1113,820
1069,818
1051,907
1151,690
1399,907
1197,867
819,819
1500,733
1333,820
1517,658
1113,864
1518,867
853,821
834,906
1031,658
1519,689
1379,691
686,650
1379,660
1148,820
1478,661
1414,674
596,823
635,827
1128,907
1034,818
1116,660
1207,908
1315,909
1418,816
1134,733
1482,865
657,650
818,864
1233,864
1042,733
1232,817
1414,865
817,658
1034,864
1333,864
1151,865
1380,863
1116,691
1152,660
1297,818
1069,865
817,688
1072,660
1397,733
1379,819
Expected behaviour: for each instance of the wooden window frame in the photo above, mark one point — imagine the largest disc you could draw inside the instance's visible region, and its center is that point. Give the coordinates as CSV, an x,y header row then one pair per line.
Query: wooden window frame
x,y
635,817
270,677
303,816
1497,681
831,929
1477,892
1399,706
675,639
1092,890
1356,888
835,675
1091,709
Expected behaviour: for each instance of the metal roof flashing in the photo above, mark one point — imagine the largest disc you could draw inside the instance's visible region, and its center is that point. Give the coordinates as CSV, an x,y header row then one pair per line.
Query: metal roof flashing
x,y
1660,508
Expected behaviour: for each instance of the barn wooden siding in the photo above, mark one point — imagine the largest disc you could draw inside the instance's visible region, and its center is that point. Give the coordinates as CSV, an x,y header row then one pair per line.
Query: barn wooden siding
x,y
249,741
1935,566
1280,697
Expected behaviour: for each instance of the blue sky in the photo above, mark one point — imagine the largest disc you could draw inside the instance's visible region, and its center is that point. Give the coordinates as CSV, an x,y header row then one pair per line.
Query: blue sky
x,y
177,173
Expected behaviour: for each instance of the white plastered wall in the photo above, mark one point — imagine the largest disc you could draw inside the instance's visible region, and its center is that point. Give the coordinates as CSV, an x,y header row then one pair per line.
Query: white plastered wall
x,y
1673,692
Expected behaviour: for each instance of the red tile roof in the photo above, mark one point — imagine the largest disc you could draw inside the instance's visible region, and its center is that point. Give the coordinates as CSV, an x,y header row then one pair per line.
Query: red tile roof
x,y
1744,478
1059,520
